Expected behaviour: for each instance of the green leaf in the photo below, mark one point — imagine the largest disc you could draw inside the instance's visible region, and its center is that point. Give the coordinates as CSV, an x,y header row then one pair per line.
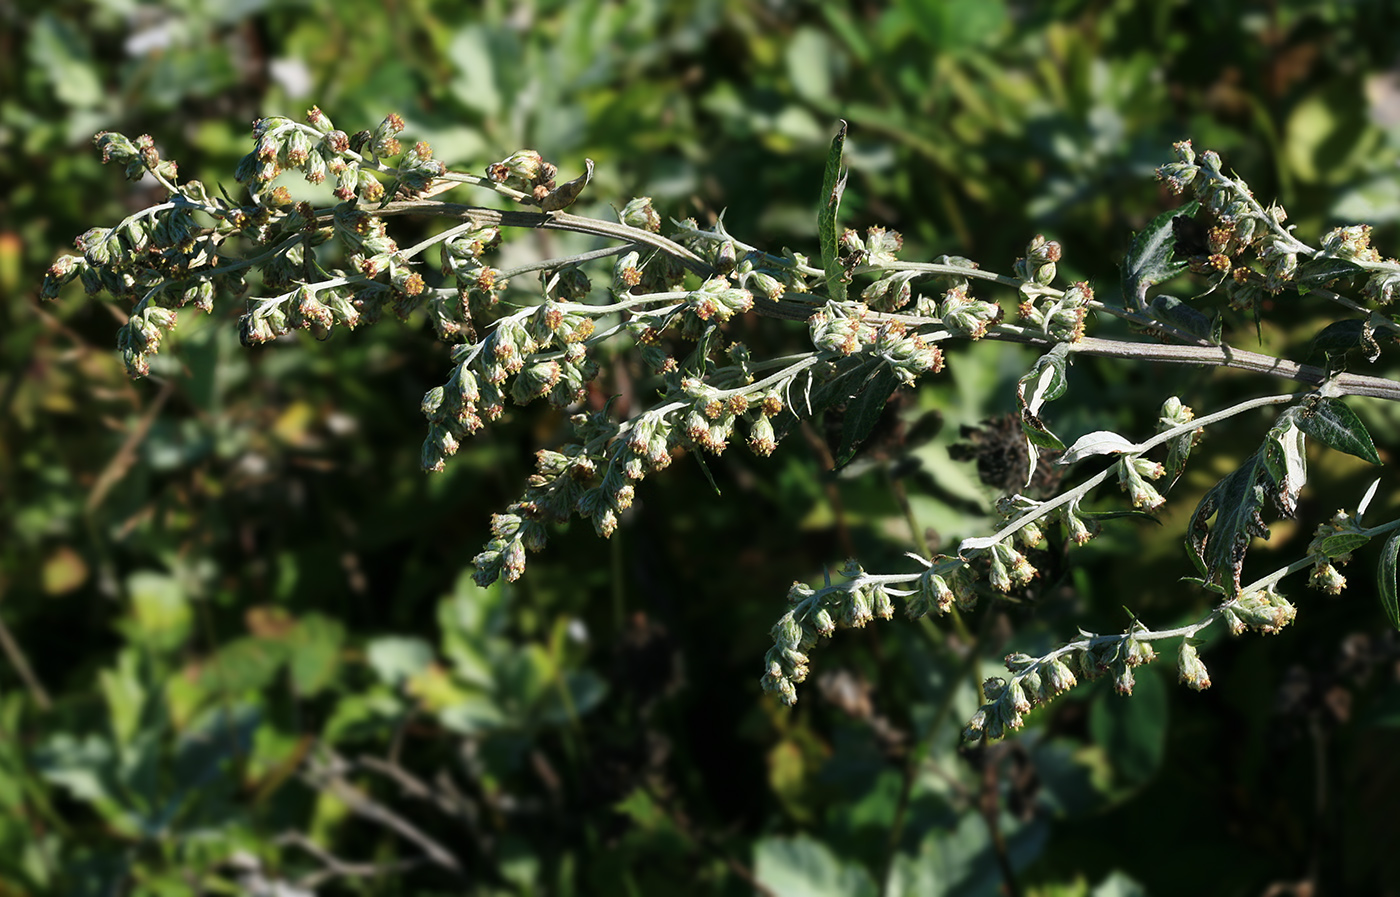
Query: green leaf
x,y
1385,580
863,412
802,865
1171,310
315,653
1238,499
396,658
1342,336
1038,435
1322,272
810,57
245,664
1099,442
1178,452
956,26
833,185
1332,423
160,612
1046,381
1340,544
1286,460
1149,260
60,51
475,714
705,469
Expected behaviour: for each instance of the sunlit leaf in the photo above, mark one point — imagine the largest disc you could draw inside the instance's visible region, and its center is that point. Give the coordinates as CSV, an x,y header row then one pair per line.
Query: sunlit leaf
x,y
833,185
1099,442
1385,580
1332,423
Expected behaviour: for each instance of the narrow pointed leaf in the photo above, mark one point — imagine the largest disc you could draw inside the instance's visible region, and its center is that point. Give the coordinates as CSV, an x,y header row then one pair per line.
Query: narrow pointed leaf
x,y
705,469
1332,423
1385,580
833,185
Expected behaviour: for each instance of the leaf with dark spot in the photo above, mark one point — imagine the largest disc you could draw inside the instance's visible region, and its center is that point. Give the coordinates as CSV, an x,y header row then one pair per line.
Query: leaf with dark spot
x,y
1149,260
1236,501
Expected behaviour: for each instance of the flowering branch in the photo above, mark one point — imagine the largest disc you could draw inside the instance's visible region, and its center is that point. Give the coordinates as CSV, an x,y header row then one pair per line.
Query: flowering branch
x,y
668,302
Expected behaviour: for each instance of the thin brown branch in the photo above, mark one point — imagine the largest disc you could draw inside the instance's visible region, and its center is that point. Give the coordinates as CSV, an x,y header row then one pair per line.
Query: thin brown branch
x,y
125,456
15,654
329,776
338,868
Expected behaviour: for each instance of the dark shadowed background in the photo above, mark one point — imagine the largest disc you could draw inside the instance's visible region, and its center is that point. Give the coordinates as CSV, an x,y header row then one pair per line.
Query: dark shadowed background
x,y
241,645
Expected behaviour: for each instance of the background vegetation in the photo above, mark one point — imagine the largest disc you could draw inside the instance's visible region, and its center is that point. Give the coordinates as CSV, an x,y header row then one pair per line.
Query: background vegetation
x,y
241,644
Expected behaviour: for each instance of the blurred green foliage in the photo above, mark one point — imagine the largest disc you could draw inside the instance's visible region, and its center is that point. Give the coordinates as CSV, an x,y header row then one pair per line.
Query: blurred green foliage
x,y
239,646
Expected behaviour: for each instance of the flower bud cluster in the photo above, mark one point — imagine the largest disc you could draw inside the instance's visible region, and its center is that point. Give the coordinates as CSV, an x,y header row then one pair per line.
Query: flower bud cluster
x,y
139,156
594,478
817,613
1079,526
717,300
161,259
1038,266
966,316
709,418
478,285
891,292
315,309
641,214
1180,175
878,248
1034,681
1174,413
945,582
318,149
908,355
838,331
1007,568
542,349
1352,243
766,275
1380,287
1235,225
1060,317
1029,535
1331,546
1262,610
1280,263
1133,473
524,170
1191,670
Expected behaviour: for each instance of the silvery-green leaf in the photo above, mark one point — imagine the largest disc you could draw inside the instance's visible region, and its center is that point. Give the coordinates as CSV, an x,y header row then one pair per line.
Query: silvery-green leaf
x,y
1099,442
